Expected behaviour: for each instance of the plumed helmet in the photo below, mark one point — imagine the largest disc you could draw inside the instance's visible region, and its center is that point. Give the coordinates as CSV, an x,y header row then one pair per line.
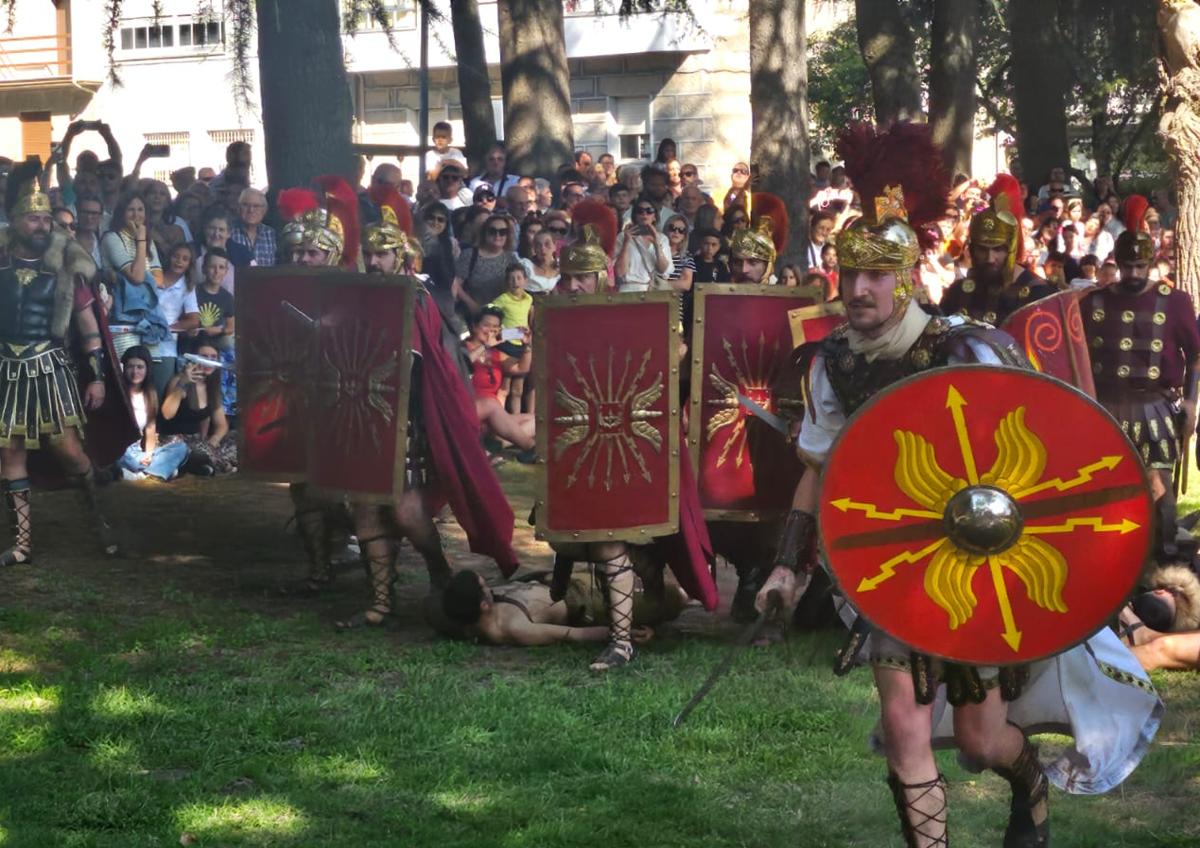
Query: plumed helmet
x,y
999,225
393,231
1134,244
899,175
23,194
585,256
767,235
599,215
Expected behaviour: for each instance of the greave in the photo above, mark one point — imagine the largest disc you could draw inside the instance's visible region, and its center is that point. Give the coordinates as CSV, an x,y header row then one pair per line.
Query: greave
x,y
922,809
86,483
1029,814
16,499
619,582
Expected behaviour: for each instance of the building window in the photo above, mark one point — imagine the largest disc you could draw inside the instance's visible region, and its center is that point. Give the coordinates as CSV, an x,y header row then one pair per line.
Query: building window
x,y
402,14
148,35
180,155
230,136
630,124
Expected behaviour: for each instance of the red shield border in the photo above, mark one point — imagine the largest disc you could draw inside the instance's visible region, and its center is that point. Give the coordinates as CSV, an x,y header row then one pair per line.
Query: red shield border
x,y
742,341
358,438
1050,331
1091,503
603,334
276,363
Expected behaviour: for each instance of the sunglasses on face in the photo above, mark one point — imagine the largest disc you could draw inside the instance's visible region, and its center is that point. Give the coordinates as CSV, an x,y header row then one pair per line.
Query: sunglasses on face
x,y
484,196
497,231
435,219
676,229
740,171
558,231
451,178
645,210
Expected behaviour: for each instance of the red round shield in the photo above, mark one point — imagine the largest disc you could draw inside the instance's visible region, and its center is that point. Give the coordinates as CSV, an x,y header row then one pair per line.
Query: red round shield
x,y
985,515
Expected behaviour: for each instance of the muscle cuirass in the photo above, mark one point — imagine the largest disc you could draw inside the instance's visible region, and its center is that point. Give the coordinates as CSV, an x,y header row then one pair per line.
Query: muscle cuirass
x,y
26,301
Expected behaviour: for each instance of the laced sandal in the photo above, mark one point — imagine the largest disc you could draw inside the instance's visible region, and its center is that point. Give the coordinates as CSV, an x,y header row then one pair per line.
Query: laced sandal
x,y
16,498
310,524
366,619
922,810
1029,812
615,655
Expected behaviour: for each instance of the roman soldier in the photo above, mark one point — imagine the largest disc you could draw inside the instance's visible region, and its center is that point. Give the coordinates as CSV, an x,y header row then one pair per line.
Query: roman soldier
x,y
444,455
46,308
1145,353
996,243
887,337
752,251
583,268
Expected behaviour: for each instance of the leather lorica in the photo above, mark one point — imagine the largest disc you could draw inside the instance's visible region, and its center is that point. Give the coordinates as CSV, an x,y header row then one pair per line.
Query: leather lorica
x,y
26,301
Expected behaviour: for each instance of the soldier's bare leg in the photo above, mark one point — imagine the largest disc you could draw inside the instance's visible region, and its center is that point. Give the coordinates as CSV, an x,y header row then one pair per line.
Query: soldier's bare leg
x,y
613,559
378,551
16,499
917,788
415,523
983,734
311,523
77,465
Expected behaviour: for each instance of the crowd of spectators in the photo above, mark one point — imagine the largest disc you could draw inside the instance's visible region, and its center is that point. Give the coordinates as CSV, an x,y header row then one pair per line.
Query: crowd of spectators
x,y
170,258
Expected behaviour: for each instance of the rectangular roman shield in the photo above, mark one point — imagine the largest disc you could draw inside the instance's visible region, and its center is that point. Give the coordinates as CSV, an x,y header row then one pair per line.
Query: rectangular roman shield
x,y
1050,331
276,311
607,378
811,324
741,356
359,434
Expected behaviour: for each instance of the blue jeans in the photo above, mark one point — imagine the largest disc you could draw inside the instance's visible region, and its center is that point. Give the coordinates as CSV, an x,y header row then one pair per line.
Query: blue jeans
x,y
164,465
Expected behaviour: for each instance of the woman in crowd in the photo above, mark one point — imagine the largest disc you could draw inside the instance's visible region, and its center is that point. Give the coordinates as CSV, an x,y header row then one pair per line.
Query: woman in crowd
x,y
739,187
668,152
674,178
790,276
440,249
479,272
145,457
489,367
131,262
558,224
530,227
160,220
542,266
682,264
193,413
187,210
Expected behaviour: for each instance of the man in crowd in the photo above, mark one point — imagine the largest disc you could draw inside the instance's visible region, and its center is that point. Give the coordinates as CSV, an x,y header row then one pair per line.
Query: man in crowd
x,y
1145,353
583,162
989,293
250,231
543,194
519,202
494,174
386,176
87,228
45,301
887,338
690,199
657,190
820,228
108,174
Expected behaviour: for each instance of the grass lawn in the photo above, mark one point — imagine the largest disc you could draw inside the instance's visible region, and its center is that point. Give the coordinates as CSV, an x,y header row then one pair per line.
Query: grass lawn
x,y
173,698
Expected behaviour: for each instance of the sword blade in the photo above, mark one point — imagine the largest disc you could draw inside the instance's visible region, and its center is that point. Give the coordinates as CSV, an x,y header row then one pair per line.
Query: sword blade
x,y
299,314
744,640
758,411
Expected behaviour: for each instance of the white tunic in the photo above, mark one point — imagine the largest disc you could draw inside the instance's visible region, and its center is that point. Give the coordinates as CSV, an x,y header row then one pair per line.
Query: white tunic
x,y
1097,692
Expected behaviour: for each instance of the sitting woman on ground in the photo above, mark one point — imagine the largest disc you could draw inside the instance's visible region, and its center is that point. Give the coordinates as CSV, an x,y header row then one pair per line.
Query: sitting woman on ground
x,y
489,367
145,457
193,413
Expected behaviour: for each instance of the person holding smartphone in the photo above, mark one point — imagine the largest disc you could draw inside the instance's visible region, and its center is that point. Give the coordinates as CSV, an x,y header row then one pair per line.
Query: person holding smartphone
x,y
643,254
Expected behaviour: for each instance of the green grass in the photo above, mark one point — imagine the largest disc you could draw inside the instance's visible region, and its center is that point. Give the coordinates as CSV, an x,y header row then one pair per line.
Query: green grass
x,y
141,710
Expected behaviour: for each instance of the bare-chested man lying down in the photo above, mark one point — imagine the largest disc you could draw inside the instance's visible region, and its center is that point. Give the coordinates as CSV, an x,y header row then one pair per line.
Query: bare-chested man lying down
x,y
522,613
1162,625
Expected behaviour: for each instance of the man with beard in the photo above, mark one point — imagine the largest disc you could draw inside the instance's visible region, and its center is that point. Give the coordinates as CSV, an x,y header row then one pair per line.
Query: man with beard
x,y
443,445
1145,352
886,339
989,293
44,295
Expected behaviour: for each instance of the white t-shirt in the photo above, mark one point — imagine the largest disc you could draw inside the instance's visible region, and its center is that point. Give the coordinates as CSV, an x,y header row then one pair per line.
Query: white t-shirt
x,y
138,401
173,302
641,268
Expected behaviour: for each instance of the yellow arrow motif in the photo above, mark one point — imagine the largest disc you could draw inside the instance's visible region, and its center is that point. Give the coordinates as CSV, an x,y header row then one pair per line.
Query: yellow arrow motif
x,y
846,504
955,403
1084,475
887,570
1073,524
1011,635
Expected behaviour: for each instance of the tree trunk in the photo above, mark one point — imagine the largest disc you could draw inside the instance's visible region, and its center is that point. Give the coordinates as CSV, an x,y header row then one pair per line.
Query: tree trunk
x,y
1179,129
537,98
306,108
474,84
1039,77
952,81
779,109
886,44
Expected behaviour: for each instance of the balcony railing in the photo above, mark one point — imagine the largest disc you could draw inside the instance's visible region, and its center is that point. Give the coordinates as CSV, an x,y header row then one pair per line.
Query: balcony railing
x,y
35,57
